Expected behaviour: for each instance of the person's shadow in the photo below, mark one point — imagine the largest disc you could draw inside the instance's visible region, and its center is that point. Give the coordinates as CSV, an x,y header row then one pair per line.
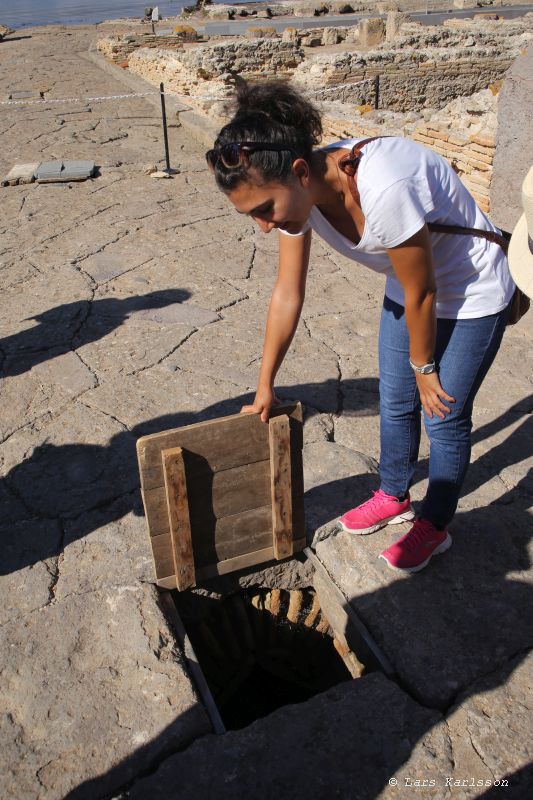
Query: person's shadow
x,y
76,324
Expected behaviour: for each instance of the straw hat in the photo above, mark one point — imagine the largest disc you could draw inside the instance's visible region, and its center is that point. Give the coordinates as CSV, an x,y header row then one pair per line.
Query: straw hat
x,y
521,245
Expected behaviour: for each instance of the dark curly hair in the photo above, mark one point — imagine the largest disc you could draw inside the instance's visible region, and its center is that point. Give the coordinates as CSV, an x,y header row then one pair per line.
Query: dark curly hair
x,y
271,112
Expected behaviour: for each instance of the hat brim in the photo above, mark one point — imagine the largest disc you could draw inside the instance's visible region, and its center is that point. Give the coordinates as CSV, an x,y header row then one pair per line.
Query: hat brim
x,y
520,258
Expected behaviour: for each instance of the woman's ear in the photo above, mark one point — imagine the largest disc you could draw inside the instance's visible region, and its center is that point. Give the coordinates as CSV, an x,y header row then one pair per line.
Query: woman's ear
x,y
301,171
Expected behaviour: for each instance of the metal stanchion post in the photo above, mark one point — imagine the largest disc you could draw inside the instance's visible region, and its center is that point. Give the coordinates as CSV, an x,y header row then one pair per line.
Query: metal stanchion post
x,y
165,134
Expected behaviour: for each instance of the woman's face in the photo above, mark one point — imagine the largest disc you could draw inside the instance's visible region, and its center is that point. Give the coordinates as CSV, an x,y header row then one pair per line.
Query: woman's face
x,y
275,205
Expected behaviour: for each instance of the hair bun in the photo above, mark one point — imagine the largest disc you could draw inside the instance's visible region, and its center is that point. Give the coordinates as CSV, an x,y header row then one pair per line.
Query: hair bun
x,y
283,105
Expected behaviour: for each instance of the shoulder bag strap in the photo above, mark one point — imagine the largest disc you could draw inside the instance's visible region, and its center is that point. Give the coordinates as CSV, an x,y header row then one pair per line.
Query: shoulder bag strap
x,y
491,236
349,164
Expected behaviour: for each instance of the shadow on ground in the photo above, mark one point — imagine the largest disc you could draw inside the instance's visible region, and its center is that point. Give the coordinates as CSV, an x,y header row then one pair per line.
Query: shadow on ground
x,y
67,326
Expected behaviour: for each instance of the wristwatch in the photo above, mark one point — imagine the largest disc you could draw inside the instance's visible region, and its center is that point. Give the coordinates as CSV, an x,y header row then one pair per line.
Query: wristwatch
x,y
425,369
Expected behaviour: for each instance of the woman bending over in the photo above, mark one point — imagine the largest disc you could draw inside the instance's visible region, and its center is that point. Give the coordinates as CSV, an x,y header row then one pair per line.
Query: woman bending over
x,y
378,202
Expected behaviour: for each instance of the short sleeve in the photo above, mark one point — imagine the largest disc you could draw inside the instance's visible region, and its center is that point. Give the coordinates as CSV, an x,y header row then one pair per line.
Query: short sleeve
x,y
398,212
306,227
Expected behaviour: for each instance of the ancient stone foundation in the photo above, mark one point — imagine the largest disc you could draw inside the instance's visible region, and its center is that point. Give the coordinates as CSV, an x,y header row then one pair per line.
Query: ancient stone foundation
x,y
117,49
422,67
206,73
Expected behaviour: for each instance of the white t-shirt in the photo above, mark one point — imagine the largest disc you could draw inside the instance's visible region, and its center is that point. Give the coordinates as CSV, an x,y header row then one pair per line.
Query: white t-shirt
x,y
402,185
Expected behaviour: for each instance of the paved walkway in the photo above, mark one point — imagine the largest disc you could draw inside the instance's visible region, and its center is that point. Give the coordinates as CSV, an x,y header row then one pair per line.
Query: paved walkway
x,y
131,305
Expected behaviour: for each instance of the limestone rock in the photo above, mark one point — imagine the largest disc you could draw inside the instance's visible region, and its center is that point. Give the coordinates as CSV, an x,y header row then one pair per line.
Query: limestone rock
x,y
395,20
514,152
98,662
371,31
392,605
368,730
497,708
5,31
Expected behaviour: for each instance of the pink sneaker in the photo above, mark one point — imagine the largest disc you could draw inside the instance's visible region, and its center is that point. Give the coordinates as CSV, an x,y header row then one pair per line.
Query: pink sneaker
x,y
382,509
412,552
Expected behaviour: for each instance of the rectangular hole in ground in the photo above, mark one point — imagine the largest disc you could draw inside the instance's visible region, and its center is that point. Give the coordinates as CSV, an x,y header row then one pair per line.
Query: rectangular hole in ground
x,y
262,648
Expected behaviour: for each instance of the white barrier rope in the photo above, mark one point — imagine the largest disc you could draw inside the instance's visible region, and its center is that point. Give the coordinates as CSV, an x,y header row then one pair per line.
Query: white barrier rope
x,y
75,99
44,101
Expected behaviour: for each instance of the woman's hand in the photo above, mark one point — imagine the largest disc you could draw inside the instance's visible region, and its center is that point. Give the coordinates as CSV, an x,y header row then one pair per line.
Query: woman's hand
x,y
433,396
263,402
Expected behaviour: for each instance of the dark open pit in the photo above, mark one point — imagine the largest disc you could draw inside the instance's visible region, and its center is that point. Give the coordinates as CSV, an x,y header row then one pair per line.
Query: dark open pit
x,y
260,649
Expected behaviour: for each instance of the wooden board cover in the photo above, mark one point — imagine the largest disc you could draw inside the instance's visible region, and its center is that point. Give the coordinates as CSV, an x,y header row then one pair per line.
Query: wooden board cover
x,y
229,486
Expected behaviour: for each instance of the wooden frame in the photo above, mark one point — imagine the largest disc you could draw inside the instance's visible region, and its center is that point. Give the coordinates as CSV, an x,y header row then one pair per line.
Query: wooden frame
x,y
223,495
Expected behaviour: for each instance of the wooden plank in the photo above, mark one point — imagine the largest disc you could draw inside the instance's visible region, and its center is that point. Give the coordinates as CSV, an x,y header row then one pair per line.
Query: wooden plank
x,y
178,515
280,485
241,533
167,583
213,496
163,558
230,507
231,565
218,444
251,531
221,494
297,485
234,564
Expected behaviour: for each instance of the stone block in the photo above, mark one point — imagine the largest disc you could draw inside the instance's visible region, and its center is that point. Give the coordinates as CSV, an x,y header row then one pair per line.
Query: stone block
x,y
266,32
331,36
5,31
497,708
361,732
87,682
371,31
513,155
21,173
394,22
290,35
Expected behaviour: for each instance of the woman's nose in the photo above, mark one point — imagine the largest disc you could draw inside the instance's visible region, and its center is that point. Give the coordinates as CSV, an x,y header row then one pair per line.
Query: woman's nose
x,y
265,226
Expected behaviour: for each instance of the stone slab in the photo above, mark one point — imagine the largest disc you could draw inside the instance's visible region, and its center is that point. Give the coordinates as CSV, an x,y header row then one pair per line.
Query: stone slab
x,y
483,581
27,572
514,145
335,477
70,462
161,397
41,311
344,743
21,173
49,170
490,732
68,676
104,548
31,387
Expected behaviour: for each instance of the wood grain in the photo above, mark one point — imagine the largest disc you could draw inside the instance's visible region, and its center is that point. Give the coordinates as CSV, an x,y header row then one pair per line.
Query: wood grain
x,y
280,485
229,497
178,516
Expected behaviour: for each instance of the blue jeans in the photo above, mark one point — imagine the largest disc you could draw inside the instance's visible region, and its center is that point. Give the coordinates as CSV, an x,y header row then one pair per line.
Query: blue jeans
x,y
464,351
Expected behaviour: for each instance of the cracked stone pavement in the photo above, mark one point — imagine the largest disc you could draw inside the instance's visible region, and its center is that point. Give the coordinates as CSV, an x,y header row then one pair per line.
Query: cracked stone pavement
x,y
131,305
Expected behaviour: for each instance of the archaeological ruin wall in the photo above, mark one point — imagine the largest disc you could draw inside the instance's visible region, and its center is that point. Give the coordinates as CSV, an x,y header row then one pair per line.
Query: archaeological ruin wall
x,y
118,49
422,67
463,133
206,74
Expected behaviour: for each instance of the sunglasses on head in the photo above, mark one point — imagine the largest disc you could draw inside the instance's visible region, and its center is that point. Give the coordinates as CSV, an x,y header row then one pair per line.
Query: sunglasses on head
x,y
235,154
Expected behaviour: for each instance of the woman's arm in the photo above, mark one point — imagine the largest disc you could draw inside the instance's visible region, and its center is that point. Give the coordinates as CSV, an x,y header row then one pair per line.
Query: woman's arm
x,y
283,316
412,262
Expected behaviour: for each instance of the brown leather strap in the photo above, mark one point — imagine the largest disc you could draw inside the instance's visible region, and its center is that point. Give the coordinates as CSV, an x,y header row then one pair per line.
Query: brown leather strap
x,y
349,165
491,236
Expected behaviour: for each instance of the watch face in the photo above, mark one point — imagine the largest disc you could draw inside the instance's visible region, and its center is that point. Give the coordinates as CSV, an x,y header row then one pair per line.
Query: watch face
x,y
428,369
